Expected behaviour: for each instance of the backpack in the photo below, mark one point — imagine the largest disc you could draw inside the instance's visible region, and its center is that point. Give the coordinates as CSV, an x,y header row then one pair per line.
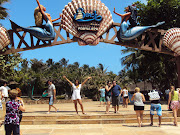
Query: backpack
x,y
153,95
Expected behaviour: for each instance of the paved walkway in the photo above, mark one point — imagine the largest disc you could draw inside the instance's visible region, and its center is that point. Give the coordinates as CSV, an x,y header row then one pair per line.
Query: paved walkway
x,y
92,108
99,129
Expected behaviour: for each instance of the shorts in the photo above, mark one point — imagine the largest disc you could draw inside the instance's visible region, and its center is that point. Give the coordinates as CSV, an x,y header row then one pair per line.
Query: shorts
x,y
175,105
138,108
108,98
102,99
115,101
126,97
156,107
11,127
51,100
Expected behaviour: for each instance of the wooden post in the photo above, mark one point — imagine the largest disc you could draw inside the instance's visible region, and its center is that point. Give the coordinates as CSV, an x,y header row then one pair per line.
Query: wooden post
x,y
178,69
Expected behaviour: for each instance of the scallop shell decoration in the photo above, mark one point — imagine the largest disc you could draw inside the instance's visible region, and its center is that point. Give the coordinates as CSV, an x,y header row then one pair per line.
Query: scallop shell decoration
x,y
172,40
4,38
87,20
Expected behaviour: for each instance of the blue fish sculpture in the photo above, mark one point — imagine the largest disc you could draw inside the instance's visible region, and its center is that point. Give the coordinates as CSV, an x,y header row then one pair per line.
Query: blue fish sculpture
x,y
46,33
128,34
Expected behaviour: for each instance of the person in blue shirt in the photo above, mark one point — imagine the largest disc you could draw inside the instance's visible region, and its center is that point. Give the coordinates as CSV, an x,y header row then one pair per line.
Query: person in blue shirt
x,y
116,92
102,95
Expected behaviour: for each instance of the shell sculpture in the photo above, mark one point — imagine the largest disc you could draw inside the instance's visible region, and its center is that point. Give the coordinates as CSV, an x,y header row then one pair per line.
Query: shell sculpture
x,y
171,39
87,20
4,38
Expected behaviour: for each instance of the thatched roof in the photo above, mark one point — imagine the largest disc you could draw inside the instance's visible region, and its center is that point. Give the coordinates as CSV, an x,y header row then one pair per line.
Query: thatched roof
x,y
143,86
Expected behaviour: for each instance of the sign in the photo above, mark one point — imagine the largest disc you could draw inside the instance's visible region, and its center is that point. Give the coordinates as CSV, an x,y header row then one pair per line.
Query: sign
x,y
80,16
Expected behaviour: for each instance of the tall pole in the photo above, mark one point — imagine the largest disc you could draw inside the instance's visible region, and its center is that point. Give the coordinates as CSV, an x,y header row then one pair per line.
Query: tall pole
x,y
178,69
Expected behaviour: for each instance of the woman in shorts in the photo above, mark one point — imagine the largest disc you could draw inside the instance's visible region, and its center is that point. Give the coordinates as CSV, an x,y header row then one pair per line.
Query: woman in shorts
x,y
125,97
108,95
138,105
76,97
175,105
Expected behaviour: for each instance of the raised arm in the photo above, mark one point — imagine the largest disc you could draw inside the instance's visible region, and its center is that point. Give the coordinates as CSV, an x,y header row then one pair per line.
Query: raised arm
x,y
108,89
68,80
42,11
57,18
117,13
123,15
85,81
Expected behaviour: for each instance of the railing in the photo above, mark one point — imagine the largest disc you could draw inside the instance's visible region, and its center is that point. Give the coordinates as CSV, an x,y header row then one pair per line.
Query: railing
x,y
150,40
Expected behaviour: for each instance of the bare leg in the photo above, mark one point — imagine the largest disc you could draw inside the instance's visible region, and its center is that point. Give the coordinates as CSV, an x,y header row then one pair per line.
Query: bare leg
x,y
117,109
124,102
114,109
53,107
49,108
141,115
80,103
151,116
75,105
160,117
175,116
108,106
138,118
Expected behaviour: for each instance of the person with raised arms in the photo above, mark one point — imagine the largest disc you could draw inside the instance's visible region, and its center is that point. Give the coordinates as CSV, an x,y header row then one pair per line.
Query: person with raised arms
x,y
76,97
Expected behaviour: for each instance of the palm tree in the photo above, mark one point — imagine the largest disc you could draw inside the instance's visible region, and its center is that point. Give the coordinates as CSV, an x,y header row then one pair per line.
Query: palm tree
x,y
3,11
64,62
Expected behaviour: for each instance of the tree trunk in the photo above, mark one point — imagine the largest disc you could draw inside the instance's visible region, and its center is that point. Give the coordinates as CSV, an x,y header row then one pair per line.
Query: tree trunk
x,y
178,69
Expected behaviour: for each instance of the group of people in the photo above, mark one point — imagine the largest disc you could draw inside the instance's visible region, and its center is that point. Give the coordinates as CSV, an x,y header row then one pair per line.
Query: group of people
x,y
123,93
112,93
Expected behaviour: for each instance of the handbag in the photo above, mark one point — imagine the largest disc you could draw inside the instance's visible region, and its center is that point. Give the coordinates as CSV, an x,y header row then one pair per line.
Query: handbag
x,y
153,95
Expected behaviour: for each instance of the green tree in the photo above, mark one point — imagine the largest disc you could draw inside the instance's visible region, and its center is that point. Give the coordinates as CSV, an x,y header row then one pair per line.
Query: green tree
x,y
159,10
3,11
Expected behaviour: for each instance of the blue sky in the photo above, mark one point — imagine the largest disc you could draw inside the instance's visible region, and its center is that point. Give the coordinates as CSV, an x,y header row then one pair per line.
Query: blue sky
x,y
22,12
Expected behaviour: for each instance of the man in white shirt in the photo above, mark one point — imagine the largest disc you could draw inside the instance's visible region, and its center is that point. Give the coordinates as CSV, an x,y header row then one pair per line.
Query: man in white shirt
x,y
4,89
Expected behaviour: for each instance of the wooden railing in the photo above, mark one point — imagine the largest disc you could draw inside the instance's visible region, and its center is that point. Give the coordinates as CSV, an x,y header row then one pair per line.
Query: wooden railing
x,y
150,40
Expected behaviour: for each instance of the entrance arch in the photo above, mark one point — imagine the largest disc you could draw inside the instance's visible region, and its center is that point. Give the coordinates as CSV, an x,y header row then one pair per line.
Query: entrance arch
x,y
150,40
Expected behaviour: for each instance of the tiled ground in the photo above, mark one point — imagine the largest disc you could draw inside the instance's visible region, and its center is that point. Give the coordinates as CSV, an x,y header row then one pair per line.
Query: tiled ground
x,y
99,129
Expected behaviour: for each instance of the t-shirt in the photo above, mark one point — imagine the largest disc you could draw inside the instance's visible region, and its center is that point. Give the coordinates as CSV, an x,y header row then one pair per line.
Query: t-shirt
x,y
102,92
125,93
116,90
51,89
4,91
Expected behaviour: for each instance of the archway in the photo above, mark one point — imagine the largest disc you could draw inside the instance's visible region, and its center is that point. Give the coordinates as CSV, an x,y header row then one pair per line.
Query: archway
x,y
150,40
